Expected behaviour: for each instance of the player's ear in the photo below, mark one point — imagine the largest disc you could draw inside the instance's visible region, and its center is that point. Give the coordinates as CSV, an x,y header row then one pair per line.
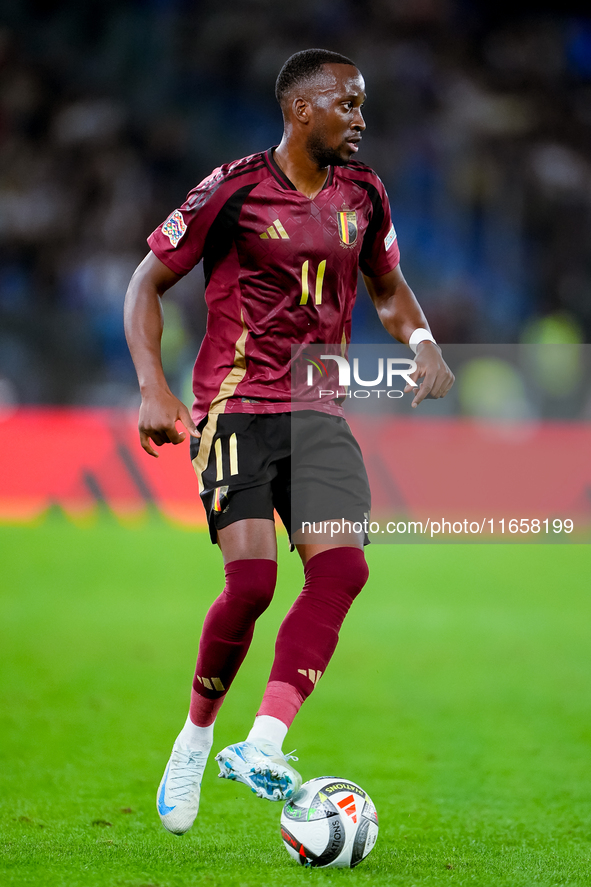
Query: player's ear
x,y
301,110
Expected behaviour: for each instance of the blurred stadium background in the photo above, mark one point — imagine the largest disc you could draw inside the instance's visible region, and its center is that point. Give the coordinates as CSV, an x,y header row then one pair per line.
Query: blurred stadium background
x,y
479,122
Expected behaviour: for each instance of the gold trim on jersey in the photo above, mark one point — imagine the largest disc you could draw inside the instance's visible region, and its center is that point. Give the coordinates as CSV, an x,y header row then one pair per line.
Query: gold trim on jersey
x,y
218,405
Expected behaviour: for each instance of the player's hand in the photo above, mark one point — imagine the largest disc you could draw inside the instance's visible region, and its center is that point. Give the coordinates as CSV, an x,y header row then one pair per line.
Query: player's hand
x,y
436,376
159,413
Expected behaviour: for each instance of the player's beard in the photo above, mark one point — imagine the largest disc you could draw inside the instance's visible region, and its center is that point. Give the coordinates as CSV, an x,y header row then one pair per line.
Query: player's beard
x,y
322,154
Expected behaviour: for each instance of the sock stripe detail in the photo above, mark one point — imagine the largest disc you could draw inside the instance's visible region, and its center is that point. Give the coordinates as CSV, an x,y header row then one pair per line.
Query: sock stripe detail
x,y
211,683
311,674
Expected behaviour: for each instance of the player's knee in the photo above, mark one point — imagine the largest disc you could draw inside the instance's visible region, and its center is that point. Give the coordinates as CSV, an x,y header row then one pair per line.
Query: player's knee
x,y
251,583
344,566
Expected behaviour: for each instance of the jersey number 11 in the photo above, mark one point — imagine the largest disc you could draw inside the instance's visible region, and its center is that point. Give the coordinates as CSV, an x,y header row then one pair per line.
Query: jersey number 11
x,y
306,284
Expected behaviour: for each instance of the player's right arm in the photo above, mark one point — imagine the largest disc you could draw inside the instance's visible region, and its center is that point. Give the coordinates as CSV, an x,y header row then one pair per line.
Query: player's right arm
x,y
160,410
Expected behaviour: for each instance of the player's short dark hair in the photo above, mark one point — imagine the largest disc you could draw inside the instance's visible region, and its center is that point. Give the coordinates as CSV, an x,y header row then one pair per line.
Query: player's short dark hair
x,y
303,65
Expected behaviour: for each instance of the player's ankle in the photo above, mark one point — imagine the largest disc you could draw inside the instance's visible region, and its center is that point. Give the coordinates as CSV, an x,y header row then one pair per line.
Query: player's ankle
x,y
194,737
267,729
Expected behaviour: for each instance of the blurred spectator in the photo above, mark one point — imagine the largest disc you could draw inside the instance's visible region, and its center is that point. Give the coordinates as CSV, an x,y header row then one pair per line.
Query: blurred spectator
x,y
479,125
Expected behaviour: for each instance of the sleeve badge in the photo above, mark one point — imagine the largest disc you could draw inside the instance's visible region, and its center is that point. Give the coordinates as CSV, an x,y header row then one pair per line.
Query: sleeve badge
x,y
174,227
390,238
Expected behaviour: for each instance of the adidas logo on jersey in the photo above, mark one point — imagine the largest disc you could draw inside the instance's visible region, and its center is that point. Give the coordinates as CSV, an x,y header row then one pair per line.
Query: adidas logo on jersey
x,y
275,231
314,676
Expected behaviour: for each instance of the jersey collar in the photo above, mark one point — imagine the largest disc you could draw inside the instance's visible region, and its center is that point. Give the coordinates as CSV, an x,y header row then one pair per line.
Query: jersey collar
x,y
282,178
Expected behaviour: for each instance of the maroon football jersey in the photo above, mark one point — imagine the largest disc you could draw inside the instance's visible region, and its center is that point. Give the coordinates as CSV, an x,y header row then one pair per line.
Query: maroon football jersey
x,y
280,269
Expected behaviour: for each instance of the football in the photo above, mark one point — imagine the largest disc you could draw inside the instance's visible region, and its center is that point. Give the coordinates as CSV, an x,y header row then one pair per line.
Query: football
x,y
329,822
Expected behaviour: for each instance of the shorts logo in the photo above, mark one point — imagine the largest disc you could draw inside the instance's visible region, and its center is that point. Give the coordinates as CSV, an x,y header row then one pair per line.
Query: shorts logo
x,y
347,226
174,227
390,237
220,498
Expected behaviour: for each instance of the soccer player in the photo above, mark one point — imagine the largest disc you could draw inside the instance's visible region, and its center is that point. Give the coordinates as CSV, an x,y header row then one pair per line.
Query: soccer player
x,y
282,235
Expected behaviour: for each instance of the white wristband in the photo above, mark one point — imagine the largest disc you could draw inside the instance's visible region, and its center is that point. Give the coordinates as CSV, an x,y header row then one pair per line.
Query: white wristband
x,y
420,335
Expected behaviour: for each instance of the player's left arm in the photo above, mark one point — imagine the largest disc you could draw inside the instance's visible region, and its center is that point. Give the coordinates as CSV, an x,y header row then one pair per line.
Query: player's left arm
x,y
401,315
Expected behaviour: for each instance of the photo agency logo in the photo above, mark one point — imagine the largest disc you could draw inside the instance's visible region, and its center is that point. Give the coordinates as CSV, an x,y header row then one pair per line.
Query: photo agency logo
x,y
389,370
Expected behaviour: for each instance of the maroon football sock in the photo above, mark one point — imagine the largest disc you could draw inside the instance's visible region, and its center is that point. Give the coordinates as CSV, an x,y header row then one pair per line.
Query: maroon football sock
x,y
310,631
229,627
202,711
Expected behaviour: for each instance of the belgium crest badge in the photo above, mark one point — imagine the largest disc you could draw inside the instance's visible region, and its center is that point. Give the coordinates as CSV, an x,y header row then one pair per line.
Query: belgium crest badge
x,y
347,220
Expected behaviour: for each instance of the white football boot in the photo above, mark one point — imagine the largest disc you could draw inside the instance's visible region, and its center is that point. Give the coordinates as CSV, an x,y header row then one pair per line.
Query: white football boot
x,y
178,794
262,767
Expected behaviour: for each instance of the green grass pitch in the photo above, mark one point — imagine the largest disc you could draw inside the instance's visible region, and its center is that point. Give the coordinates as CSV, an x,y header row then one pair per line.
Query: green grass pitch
x,y
459,698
